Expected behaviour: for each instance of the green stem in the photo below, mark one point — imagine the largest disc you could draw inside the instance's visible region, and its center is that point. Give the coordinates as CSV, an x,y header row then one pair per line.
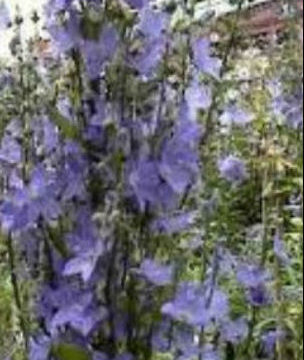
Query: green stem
x,y
253,318
16,292
278,286
80,90
264,219
228,50
108,292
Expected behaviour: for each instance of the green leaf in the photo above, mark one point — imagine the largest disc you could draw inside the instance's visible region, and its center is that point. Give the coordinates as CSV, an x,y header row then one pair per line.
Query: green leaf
x,y
297,221
65,351
267,190
69,130
161,356
56,238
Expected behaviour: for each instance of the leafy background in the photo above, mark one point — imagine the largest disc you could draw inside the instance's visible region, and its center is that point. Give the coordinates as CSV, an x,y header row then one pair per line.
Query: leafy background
x,y
243,218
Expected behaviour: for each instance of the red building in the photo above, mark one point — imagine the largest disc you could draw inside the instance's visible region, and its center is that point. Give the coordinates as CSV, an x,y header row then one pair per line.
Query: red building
x,y
271,17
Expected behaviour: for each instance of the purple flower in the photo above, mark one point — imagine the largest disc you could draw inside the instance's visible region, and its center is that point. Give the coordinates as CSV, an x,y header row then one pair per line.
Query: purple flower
x,y
187,130
209,353
52,298
81,315
73,182
279,250
148,187
179,160
14,181
85,233
232,169
178,165
100,356
85,262
45,135
174,224
6,79
258,296
235,331
290,106
19,211
42,193
73,174
269,340
252,275
58,5
95,130
155,272
193,305
96,53
198,98
10,151
65,36
50,136
137,4
14,129
188,350
39,348
235,115
148,57
152,23
4,16
254,279
160,338
202,59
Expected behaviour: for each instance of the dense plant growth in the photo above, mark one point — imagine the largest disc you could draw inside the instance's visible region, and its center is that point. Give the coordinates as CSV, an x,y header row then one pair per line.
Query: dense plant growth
x,y
151,194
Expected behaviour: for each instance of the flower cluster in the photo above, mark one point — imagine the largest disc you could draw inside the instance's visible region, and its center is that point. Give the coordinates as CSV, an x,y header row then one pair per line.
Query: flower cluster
x,y
99,185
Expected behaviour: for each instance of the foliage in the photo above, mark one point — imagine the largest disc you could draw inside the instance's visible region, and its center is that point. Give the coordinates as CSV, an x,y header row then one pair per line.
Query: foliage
x,y
150,193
